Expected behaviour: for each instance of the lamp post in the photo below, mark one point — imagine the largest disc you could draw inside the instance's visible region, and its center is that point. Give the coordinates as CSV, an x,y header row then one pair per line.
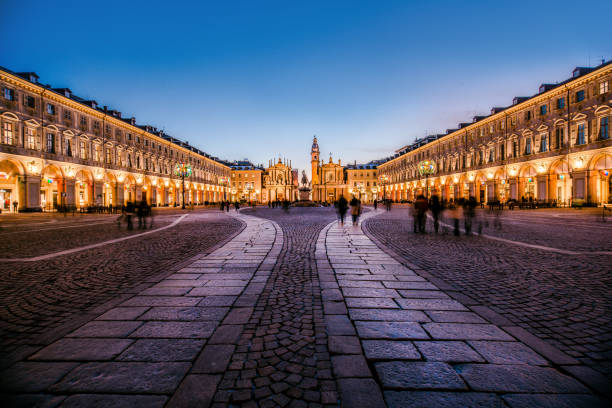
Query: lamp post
x,y
183,170
384,179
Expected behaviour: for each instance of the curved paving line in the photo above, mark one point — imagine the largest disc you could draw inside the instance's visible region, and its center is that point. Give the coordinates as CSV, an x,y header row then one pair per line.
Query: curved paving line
x,y
99,244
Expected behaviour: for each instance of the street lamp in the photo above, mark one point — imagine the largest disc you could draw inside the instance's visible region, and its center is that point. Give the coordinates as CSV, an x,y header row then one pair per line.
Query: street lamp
x,y
183,170
384,179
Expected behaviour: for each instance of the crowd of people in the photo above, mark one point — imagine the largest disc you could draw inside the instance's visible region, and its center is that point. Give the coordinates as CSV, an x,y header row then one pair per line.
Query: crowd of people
x,y
143,212
457,210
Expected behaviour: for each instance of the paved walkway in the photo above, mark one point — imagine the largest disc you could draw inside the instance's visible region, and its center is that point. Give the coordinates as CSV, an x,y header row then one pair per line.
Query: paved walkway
x,y
423,348
301,315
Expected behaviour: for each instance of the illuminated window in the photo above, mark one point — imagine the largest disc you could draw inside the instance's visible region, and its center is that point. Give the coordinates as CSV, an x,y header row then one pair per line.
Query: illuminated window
x,y
603,87
30,138
83,151
50,142
8,133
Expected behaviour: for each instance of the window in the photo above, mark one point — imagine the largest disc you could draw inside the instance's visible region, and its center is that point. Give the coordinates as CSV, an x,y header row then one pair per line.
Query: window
x,y
83,154
502,151
544,144
50,143
83,122
108,156
8,133
559,138
543,110
528,115
68,145
129,157
50,109
560,103
96,127
604,129
528,146
603,87
30,138
9,94
129,136
580,96
29,102
580,137
491,155
67,114
515,149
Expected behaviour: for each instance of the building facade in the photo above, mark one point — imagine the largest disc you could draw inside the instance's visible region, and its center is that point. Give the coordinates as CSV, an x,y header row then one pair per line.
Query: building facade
x,y
553,146
279,184
328,179
59,149
362,182
247,182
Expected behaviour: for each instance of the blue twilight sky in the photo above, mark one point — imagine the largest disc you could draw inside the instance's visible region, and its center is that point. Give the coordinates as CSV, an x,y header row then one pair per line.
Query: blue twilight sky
x,y
255,79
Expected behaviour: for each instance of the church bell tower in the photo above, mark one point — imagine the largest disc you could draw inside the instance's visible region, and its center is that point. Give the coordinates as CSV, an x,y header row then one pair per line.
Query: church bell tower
x,y
314,161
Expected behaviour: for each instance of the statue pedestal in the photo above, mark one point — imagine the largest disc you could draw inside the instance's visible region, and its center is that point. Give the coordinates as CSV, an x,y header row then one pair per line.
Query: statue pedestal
x,y
304,194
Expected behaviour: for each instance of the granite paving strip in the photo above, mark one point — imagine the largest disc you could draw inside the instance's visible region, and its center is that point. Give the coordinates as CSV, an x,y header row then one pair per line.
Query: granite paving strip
x,y
422,347
169,339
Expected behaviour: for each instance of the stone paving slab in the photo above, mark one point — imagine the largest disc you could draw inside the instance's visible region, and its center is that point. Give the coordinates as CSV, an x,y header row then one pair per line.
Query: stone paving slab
x,y
426,346
171,338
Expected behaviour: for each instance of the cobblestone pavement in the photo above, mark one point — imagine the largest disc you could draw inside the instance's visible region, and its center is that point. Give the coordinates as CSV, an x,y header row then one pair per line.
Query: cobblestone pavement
x,y
166,344
298,311
37,298
563,299
282,356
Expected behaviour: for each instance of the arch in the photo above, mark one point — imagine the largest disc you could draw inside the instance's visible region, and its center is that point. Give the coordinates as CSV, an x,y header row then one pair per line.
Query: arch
x,y
601,161
53,171
527,170
499,174
110,178
602,110
10,116
9,165
52,127
558,167
480,176
83,175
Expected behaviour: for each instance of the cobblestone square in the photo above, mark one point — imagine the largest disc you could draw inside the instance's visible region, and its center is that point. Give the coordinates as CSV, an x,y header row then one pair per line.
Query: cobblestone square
x,y
266,307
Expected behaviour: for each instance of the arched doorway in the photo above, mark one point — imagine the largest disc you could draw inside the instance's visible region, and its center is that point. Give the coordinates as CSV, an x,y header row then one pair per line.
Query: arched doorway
x,y
83,189
109,190
602,182
51,187
9,186
561,183
527,183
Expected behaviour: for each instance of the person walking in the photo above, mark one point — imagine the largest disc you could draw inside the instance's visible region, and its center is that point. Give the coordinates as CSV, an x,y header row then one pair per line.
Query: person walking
x,y
342,206
436,208
15,206
355,210
375,205
469,213
455,214
421,208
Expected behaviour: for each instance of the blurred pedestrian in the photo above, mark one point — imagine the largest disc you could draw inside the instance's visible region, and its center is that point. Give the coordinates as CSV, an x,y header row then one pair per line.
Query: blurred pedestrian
x,y
469,211
129,212
436,208
222,205
342,206
455,211
355,210
375,204
421,207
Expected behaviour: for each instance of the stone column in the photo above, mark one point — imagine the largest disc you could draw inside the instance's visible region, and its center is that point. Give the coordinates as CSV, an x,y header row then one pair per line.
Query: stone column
x,y
70,198
29,193
119,190
98,190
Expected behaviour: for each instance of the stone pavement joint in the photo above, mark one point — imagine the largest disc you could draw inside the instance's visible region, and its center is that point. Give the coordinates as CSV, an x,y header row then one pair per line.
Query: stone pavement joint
x,y
424,347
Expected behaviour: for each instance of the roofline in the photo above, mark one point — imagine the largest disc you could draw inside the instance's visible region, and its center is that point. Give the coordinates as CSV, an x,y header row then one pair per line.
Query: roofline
x,y
561,88
99,113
